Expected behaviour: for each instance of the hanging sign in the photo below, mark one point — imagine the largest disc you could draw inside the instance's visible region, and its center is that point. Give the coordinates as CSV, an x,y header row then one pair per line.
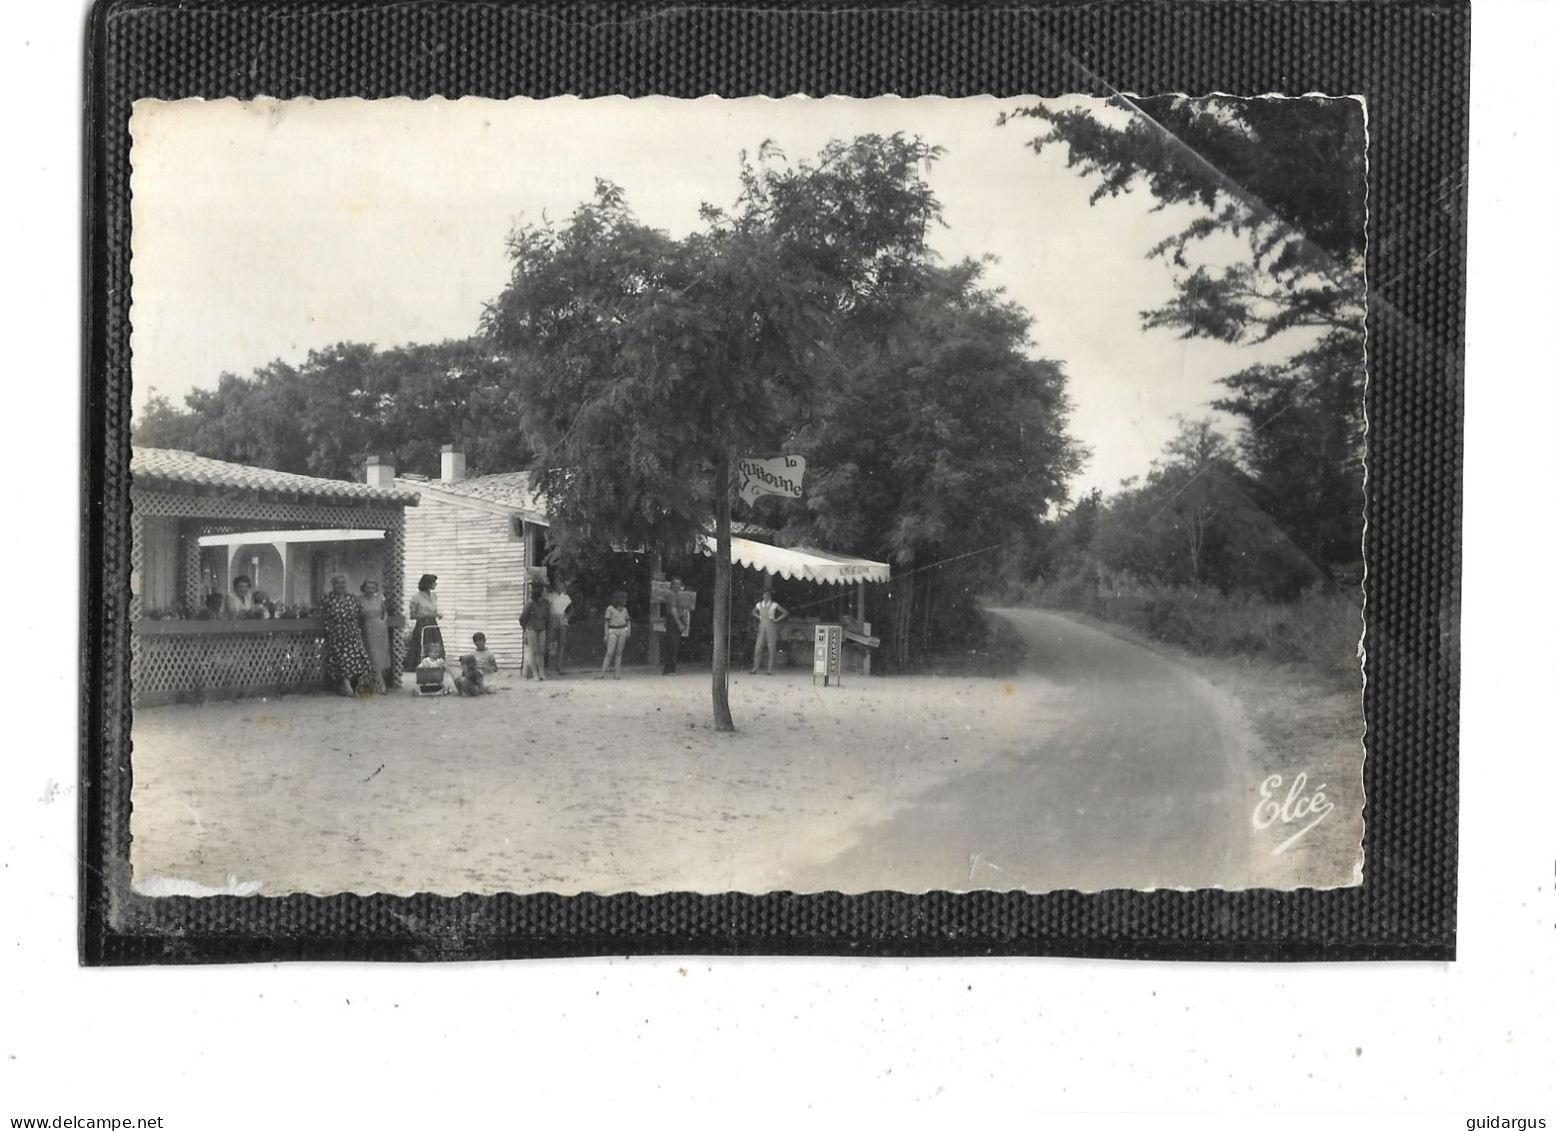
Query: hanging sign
x,y
782,475
660,591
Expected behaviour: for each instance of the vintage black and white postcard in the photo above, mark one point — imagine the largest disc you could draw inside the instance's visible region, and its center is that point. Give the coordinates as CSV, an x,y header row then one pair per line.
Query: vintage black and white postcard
x,y
739,495
1035,448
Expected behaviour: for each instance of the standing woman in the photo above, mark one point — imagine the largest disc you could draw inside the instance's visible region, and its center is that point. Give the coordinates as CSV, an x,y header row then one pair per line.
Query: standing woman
x,y
618,627
375,631
423,612
768,614
345,656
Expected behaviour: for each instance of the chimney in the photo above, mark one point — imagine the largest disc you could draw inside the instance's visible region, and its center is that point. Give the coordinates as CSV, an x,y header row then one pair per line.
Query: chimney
x,y
379,471
453,464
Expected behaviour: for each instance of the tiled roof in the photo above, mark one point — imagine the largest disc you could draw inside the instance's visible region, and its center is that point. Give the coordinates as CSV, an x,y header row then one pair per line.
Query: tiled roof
x,y
172,466
506,489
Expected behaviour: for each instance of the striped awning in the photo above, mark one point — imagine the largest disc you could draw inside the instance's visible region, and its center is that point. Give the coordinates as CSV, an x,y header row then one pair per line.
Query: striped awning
x,y
802,563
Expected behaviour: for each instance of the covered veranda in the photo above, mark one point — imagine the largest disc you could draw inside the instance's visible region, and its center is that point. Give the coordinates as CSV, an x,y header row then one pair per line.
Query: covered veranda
x,y
822,573
196,522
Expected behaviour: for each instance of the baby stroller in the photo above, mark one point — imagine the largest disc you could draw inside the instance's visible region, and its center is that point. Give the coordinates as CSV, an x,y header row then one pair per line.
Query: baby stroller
x,y
429,680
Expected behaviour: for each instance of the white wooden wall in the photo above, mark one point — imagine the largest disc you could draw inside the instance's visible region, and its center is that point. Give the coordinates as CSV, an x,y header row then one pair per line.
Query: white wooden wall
x,y
480,568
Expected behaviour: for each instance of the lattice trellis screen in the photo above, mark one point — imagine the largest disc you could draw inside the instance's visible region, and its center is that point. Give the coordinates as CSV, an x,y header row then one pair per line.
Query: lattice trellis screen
x,y
280,656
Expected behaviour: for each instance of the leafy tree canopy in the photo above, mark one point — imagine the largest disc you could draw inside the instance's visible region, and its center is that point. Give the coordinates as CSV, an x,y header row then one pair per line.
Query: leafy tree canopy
x,y
944,437
643,363
1287,178
347,402
1194,522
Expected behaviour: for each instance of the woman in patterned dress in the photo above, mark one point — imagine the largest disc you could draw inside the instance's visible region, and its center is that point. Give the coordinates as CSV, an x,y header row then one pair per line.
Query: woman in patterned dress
x,y
345,655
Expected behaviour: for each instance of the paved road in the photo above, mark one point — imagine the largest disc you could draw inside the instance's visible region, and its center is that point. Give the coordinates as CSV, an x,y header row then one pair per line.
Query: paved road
x,y
1136,776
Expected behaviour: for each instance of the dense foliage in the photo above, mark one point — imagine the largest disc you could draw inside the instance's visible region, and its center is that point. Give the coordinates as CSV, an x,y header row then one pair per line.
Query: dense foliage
x,y
1194,523
1285,180
347,402
1190,557
942,440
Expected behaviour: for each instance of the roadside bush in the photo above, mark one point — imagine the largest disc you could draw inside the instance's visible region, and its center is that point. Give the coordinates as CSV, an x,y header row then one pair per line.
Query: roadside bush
x,y
952,636
990,648
1317,629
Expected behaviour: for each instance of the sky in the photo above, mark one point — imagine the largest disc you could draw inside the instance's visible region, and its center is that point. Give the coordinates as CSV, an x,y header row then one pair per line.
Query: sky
x,y
264,230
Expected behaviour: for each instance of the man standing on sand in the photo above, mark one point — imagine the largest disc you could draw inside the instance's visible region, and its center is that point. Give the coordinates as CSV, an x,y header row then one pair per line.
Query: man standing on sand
x,y
678,623
768,613
556,626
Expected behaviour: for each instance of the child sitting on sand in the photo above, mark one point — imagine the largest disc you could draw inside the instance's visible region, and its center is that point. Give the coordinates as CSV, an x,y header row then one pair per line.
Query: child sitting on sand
x,y
485,660
470,681
432,670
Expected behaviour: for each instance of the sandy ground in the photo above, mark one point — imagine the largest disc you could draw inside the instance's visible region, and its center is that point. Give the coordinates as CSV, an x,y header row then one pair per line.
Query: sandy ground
x,y
1103,764
569,786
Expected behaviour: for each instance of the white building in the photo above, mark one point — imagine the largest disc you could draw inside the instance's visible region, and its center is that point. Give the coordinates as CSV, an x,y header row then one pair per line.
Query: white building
x,y
480,537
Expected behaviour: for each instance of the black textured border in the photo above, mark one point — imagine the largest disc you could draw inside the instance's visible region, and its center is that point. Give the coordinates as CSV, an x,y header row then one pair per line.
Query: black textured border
x,y
1410,59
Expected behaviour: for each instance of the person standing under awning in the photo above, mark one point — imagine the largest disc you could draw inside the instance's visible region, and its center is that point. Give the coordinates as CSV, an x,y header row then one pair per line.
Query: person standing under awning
x,y
768,614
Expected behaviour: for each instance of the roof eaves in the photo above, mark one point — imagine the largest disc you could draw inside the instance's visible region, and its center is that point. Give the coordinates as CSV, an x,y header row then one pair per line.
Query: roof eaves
x,y
443,494
366,494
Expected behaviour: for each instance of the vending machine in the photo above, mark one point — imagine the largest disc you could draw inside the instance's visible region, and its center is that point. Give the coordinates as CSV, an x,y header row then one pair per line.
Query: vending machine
x,y
828,663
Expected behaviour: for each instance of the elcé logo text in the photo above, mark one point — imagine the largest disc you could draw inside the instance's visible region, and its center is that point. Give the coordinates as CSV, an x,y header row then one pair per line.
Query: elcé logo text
x,y
1297,806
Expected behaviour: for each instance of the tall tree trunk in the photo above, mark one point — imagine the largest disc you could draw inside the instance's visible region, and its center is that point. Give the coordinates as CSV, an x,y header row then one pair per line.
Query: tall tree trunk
x,y
656,572
929,606
903,621
722,719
